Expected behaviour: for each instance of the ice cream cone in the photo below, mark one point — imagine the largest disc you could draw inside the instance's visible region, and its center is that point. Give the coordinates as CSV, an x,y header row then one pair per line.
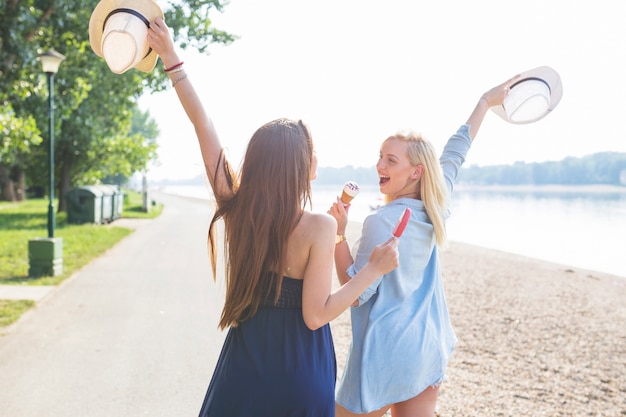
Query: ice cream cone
x,y
350,190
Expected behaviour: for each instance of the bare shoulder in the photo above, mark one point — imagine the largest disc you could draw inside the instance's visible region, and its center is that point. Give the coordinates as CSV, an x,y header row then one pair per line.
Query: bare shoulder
x,y
318,224
313,235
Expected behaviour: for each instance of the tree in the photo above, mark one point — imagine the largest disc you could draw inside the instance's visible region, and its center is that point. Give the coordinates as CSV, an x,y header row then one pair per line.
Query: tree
x,y
138,145
17,136
600,168
94,108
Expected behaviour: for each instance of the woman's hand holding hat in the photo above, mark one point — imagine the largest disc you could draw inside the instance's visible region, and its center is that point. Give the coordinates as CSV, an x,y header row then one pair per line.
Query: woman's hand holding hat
x,y
497,95
161,42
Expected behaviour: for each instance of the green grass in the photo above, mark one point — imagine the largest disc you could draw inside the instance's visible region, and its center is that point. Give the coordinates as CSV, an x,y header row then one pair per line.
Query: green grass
x,y
11,310
20,222
133,206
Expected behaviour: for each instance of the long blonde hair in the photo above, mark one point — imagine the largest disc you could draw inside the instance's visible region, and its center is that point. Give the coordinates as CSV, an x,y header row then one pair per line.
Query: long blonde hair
x,y
268,199
431,185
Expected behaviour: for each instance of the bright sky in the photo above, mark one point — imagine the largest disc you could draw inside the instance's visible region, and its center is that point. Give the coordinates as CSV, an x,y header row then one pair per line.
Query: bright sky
x,y
356,71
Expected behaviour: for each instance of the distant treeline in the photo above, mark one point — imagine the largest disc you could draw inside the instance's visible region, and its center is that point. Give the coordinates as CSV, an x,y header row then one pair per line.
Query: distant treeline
x,y
333,176
600,168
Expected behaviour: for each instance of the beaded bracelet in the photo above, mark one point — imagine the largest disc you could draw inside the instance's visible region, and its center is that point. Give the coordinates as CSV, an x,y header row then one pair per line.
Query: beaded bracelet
x,y
180,64
177,80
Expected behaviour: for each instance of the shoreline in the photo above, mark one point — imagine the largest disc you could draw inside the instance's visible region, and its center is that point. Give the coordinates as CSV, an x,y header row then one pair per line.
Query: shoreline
x,y
522,188
534,337
357,223
547,188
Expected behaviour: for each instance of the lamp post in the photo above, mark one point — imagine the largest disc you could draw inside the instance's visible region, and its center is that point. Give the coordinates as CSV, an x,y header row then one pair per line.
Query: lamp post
x,y
50,61
45,255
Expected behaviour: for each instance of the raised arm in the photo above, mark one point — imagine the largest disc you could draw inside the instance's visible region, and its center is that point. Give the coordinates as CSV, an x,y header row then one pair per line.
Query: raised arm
x,y
492,97
161,42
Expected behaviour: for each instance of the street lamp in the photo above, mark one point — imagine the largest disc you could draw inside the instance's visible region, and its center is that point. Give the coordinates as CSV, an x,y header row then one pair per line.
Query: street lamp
x,y
45,255
50,60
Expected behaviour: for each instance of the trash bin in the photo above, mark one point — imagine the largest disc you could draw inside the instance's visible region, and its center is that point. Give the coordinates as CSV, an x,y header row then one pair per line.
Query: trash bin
x,y
84,204
94,204
118,202
107,202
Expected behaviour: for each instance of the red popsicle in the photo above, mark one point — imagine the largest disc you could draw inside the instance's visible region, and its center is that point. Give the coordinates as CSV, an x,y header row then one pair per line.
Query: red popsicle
x,y
402,222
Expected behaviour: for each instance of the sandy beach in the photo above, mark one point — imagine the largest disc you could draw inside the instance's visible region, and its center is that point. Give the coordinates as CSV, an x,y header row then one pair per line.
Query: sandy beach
x,y
534,338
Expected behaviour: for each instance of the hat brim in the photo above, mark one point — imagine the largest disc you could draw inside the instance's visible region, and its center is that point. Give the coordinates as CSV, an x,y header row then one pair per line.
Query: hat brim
x,y
547,75
147,8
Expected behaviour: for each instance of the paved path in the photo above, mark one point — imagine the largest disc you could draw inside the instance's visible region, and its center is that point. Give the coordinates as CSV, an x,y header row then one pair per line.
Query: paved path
x,y
25,292
133,333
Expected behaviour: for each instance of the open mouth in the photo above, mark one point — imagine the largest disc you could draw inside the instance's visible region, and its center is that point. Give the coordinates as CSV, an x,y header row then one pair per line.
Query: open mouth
x,y
383,179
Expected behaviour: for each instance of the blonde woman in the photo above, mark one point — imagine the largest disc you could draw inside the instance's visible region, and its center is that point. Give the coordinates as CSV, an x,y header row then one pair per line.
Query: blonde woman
x,y
278,357
402,336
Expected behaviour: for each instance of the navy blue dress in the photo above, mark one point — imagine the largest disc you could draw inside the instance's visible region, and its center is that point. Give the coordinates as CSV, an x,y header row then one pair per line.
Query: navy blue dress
x,y
274,365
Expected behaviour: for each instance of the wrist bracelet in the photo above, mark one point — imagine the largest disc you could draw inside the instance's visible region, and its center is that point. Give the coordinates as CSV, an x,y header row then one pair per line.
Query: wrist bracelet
x,y
177,80
179,69
180,64
340,238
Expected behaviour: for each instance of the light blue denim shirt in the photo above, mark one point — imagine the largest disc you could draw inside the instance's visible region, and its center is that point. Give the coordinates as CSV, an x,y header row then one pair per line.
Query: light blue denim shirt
x,y
402,337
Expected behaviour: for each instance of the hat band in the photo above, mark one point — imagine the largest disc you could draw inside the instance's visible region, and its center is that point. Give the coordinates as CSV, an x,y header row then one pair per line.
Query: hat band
x,y
532,79
134,13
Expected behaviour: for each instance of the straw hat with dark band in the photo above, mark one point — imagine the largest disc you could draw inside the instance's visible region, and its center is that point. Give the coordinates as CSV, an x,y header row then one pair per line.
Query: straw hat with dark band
x,y
117,33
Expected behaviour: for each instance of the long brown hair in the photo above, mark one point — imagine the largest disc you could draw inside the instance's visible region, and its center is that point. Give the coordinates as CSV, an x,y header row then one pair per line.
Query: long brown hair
x,y
268,198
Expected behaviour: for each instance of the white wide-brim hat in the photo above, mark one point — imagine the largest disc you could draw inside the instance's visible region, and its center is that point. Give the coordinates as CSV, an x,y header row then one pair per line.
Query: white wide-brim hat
x,y
118,33
532,97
